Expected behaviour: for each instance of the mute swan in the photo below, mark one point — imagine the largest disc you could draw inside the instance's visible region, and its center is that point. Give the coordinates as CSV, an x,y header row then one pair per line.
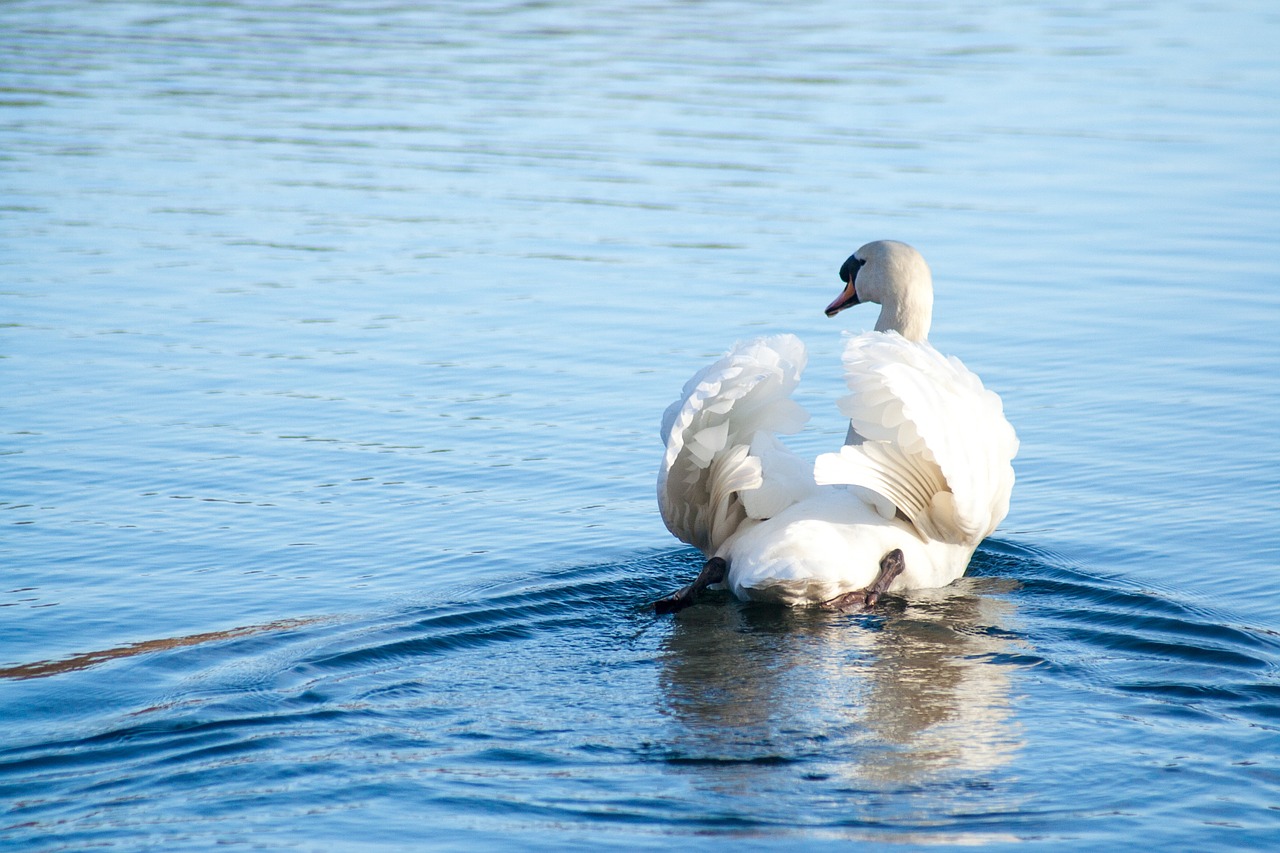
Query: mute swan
x,y
924,475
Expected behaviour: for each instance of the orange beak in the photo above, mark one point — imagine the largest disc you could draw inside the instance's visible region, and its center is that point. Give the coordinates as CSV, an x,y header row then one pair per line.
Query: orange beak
x,y
847,298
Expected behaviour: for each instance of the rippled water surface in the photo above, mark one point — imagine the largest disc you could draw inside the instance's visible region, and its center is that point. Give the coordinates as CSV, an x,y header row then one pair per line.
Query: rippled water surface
x,y
335,340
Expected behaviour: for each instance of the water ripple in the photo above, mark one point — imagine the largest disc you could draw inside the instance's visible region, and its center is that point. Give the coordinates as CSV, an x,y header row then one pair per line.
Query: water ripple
x,y
895,708
1112,635
333,351
489,694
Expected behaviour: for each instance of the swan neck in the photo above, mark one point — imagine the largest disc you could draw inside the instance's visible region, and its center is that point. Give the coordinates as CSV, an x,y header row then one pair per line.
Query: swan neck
x,y
909,315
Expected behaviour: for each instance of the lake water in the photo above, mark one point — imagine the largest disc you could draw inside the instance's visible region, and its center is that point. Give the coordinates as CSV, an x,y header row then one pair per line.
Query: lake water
x,y
335,342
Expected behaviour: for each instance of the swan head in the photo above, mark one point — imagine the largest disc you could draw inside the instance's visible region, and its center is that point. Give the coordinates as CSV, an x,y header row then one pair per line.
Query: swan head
x,y
894,276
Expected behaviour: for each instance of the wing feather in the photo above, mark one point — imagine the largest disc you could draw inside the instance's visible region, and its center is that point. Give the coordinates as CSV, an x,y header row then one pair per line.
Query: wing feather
x,y
935,442
723,463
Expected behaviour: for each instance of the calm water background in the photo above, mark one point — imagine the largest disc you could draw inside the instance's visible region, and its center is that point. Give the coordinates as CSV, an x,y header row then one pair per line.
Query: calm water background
x,y
335,341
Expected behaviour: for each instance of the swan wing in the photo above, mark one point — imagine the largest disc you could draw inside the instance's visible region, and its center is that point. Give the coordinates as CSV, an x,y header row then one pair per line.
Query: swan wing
x,y
723,462
929,437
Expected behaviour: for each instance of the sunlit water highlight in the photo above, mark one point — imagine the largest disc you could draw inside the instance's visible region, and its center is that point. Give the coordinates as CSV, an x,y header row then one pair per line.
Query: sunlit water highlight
x,y
335,342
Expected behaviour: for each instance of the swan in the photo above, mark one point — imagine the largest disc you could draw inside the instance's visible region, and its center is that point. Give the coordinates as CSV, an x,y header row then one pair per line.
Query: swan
x,y
924,475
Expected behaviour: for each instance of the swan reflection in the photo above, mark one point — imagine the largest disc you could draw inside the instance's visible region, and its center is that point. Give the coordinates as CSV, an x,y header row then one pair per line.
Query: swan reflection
x,y
905,696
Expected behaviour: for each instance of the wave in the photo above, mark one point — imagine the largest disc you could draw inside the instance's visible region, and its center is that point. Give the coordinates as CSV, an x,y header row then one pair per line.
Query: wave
x,y
560,697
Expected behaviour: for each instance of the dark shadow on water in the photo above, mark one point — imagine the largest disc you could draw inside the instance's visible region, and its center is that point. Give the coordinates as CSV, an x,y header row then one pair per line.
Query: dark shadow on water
x,y
87,660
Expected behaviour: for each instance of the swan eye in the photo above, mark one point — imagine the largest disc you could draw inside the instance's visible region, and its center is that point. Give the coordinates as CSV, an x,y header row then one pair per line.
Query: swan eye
x,y
850,267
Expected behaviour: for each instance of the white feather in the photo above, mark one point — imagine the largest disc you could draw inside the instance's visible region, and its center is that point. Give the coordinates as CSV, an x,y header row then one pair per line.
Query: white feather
x,y
926,467
936,442
721,445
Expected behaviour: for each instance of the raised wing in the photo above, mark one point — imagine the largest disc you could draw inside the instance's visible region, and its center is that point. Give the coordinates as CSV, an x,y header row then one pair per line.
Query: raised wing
x,y
934,441
724,463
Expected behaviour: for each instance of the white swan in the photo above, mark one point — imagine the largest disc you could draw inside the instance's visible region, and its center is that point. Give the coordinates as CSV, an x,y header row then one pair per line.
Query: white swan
x,y
923,477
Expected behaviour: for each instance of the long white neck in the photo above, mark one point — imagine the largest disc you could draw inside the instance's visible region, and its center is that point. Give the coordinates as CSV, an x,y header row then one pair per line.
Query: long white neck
x,y
909,314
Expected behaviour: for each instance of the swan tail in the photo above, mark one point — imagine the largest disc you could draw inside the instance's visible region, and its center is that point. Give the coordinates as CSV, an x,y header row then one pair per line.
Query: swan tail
x,y
932,439
723,463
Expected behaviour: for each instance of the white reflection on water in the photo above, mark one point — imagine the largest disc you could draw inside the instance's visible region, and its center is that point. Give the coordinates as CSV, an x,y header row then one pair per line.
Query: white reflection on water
x,y
891,702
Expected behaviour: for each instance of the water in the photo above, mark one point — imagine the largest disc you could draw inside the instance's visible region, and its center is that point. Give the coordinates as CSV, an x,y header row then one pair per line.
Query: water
x,y
335,344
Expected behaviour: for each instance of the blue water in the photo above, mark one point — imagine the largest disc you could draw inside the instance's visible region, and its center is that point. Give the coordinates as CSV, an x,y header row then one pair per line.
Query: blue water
x,y
335,340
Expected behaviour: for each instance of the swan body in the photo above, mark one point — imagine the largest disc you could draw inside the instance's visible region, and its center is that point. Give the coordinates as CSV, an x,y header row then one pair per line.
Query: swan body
x,y
925,469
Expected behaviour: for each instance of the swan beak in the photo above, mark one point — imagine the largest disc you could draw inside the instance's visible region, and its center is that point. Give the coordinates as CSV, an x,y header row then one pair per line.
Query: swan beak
x,y
849,296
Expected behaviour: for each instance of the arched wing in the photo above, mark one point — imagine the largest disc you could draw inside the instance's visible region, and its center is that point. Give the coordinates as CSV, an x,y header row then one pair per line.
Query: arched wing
x,y
934,441
723,462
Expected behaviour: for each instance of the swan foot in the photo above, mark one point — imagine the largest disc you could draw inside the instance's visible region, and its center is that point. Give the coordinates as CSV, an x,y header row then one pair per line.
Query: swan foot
x,y
864,599
713,572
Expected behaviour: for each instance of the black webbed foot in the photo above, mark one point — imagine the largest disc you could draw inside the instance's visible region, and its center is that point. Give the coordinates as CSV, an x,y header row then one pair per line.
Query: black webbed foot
x,y
713,571
891,565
